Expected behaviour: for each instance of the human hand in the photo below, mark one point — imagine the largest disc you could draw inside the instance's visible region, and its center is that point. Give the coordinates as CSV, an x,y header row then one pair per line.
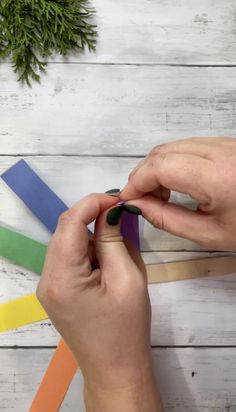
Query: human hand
x,y
204,169
103,313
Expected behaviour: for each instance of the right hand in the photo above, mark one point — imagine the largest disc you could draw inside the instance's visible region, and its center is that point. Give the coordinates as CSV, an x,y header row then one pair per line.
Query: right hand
x,y
205,169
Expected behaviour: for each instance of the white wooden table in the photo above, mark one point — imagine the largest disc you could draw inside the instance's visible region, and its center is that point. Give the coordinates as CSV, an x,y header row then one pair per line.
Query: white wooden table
x,y
163,69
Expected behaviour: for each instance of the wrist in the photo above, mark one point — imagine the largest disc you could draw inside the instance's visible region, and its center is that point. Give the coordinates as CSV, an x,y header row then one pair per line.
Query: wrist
x,y
135,392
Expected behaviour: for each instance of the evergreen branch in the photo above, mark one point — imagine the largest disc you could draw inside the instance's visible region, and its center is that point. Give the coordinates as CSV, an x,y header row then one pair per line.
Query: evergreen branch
x,y
31,30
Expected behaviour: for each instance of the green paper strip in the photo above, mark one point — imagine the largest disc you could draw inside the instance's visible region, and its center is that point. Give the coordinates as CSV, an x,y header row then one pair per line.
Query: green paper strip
x,y
22,250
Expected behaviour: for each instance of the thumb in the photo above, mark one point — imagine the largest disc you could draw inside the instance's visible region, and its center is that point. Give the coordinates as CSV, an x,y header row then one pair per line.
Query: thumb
x,y
112,253
178,220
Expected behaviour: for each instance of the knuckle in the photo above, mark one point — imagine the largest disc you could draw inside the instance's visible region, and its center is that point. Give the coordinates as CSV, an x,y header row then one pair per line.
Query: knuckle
x,y
157,150
50,294
54,293
48,288
92,198
162,156
110,238
65,218
158,163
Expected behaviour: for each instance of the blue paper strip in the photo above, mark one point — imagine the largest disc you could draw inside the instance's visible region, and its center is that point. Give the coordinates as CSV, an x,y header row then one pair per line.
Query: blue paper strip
x,y
39,198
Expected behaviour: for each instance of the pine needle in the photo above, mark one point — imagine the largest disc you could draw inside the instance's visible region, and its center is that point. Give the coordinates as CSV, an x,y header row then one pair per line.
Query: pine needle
x,y
33,30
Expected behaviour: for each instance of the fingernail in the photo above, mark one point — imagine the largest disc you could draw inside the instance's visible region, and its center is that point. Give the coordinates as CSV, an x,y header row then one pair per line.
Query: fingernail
x,y
132,209
114,215
113,192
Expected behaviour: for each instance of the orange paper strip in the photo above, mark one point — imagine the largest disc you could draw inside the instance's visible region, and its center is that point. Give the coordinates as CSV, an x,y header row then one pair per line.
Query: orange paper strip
x,y
56,380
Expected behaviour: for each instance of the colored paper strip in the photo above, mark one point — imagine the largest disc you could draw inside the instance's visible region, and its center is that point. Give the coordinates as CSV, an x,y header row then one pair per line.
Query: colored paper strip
x,y
21,311
191,269
56,380
31,189
130,228
22,250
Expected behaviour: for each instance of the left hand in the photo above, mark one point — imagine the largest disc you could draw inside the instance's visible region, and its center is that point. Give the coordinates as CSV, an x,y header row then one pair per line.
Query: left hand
x,y
103,313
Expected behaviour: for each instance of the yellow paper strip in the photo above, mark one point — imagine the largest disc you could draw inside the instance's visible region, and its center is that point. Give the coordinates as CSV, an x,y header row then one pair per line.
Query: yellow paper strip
x,y
191,269
20,312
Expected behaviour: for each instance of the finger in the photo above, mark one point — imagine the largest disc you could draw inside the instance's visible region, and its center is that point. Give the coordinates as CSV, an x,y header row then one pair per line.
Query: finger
x,y
178,220
203,147
115,260
71,238
161,192
187,174
197,146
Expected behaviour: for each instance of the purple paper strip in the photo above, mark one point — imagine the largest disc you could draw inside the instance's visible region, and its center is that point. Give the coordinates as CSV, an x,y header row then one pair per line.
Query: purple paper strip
x,y
130,228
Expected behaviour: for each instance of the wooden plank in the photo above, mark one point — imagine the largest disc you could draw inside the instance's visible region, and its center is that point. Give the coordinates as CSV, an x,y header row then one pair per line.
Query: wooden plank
x,y
183,376
196,312
114,110
163,32
193,380
73,178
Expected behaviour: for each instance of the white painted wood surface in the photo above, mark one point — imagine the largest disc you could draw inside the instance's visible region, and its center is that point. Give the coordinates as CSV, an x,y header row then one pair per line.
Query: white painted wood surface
x,y
114,110
190,379
83,130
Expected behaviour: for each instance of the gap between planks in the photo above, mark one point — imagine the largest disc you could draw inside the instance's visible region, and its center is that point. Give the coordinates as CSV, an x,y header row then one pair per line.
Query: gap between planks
x,y
72,155
199,65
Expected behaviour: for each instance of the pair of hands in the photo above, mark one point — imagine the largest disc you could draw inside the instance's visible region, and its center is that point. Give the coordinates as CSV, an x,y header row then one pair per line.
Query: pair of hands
x,y
94,288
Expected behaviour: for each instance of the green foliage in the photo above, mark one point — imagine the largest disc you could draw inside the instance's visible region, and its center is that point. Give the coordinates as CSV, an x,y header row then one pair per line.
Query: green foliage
x,y
32,30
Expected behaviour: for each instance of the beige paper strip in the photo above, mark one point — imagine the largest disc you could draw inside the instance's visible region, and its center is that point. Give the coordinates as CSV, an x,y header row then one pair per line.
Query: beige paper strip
x,y
191,269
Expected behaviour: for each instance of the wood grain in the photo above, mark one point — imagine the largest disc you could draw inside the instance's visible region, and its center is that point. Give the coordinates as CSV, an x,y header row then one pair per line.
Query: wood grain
x,y
114,110
183,376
